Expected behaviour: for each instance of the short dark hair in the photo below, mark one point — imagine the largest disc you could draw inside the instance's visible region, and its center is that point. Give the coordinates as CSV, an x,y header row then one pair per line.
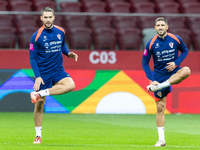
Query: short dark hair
x,y
161,19
47,9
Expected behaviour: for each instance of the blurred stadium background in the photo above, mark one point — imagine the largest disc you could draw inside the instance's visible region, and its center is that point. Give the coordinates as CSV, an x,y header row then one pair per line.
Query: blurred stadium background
x,y
109,36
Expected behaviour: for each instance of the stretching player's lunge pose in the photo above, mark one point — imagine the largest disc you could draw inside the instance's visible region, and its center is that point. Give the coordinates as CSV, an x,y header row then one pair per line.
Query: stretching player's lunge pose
x,y
167,71
46,47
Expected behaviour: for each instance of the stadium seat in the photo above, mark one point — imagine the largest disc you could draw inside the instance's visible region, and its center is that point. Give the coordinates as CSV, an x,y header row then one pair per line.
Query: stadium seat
x,y
144,7
95,6
193,23
70,6
80,38
25,20
120,7
125,22
104,39
167,7
176,22
3,6
39,5
196,39
6,20
7,37
109,2
99,21
84,2
185,35
146,22
70,22
20,6
24,36
129,39
191,7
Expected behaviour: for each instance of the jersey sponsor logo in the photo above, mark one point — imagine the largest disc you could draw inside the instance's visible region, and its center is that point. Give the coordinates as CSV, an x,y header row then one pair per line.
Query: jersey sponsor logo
x,y
44,38
59,36
31,47
145,52
171,44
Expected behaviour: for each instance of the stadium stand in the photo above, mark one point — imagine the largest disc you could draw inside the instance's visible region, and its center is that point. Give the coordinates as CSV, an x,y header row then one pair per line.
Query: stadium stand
x,y
20,5
129,38
104,38
80,38
117,24
3,5
70,6
7,37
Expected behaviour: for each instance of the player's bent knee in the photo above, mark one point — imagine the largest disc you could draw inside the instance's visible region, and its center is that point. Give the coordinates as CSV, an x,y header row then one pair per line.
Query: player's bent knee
x,y
186,71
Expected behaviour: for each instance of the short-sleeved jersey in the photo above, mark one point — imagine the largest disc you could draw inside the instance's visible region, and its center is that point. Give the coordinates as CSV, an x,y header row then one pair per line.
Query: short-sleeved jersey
x,y
163,51
46,48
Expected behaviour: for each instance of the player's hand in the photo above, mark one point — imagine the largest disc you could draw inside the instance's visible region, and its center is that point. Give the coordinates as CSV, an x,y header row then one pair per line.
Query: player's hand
x,y
38,82
73,55
152,83
170,66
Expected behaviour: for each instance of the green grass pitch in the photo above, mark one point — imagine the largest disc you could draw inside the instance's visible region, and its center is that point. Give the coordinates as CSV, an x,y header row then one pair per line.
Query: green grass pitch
x,y
98,132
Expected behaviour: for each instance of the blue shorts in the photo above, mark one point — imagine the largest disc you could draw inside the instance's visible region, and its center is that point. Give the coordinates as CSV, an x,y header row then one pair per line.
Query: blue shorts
x,y
52,79
160,94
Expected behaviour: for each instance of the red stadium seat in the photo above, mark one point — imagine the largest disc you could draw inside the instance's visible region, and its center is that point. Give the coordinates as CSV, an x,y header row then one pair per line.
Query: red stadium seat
x,y
3,6
70,22
22,21
191,7
24,36
125,22
196,39
70,6
104,39
144,7
99,21
129,39
80,38
120,7
185,35
133,2
39,5
84,2
20,6
168,7
176,22
6,20
95,6
193,23
109,2
7,37
147,22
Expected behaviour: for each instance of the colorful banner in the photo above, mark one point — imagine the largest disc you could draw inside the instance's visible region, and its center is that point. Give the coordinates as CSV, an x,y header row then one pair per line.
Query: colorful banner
x,y
119,88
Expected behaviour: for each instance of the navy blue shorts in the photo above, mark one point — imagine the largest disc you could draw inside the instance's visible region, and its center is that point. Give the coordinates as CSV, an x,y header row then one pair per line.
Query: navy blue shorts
x,y
52,79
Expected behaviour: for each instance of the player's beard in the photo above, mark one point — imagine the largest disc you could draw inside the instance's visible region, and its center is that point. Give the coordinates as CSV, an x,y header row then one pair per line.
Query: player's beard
x,y
48,27
161,34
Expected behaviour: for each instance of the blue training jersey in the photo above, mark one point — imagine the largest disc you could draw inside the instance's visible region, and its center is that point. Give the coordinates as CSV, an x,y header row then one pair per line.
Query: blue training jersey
x,y
163,51
46,48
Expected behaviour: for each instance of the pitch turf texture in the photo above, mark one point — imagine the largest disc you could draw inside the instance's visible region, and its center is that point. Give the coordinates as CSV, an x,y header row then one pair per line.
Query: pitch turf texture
x,y
97,132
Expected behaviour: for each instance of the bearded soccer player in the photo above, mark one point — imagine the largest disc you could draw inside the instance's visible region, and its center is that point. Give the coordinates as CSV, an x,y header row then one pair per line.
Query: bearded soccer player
x,y
46,47
164,49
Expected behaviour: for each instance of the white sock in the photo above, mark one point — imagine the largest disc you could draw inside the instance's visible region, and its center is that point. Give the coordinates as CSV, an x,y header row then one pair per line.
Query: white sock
x,y
161,133
163,85
44,93
38,131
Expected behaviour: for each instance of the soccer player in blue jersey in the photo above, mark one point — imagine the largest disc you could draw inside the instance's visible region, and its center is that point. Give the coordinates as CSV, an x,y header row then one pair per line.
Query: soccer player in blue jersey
x,y
164,49
46,47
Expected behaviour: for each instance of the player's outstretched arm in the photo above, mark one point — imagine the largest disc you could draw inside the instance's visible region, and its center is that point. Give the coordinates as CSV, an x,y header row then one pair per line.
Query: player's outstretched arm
x,y
73,55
